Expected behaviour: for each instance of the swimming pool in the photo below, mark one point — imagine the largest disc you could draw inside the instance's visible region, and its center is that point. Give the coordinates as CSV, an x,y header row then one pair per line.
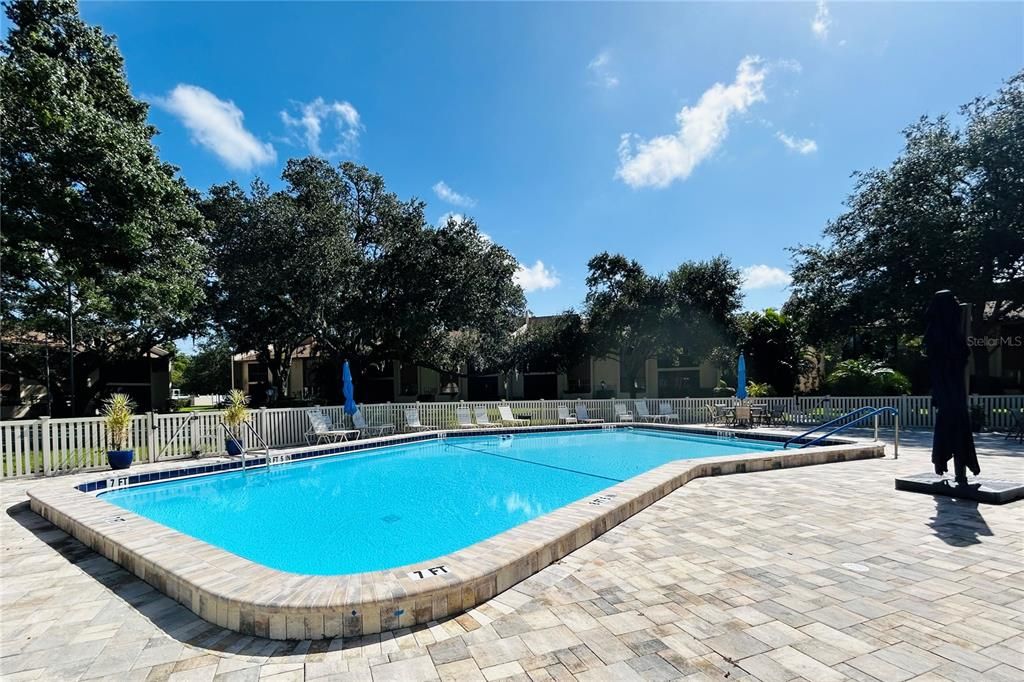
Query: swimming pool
x,y
402,504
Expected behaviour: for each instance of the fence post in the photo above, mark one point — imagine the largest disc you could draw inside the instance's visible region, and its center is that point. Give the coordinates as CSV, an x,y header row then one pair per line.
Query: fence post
x,y
154,438
263,425
193,436
44,436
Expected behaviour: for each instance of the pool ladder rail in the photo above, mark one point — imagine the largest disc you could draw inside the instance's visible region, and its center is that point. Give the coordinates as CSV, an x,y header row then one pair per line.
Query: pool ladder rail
x,y
855,417
259,439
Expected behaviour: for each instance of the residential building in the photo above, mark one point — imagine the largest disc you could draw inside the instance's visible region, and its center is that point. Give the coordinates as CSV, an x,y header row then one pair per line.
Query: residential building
x,y
395,381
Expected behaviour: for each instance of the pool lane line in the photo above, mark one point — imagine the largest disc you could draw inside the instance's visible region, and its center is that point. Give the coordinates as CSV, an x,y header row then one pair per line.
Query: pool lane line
x,y
540,464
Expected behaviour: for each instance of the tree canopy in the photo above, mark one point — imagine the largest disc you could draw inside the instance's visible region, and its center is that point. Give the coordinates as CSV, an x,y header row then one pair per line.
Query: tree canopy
x,y
774,353
207,372
337,257
633,315
92,219
948,213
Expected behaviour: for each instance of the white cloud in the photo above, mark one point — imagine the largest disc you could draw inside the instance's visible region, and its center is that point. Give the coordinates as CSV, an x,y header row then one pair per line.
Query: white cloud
x,y
217,125
450,215
535,277
800,145
600,68
702,129
822,21
307,126
764,276
446,193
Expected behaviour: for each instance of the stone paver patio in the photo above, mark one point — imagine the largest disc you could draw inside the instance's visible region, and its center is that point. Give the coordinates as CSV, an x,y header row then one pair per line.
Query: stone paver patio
x,y
819,573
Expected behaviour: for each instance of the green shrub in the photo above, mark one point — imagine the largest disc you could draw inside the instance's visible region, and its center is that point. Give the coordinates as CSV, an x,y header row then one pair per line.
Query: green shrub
x,y
723,390
237,410
762,390
118,410
866,377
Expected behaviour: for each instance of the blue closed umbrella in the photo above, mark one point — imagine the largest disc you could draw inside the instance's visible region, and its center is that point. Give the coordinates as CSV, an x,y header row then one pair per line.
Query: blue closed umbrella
x,y
348,389
741,379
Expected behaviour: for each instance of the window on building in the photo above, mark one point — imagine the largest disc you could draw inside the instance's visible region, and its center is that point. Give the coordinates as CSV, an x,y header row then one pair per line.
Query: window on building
x,y
578,378
448,384
258,373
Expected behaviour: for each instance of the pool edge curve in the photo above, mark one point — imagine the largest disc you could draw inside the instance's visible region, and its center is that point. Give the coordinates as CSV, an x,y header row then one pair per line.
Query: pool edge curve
x,y
247,597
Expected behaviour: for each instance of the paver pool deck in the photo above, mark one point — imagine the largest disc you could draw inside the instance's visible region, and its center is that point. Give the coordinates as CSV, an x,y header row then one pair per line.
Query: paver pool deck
x,y
817,573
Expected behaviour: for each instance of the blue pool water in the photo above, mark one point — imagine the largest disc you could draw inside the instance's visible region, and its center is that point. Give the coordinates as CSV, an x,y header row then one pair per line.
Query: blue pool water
x,y
403,504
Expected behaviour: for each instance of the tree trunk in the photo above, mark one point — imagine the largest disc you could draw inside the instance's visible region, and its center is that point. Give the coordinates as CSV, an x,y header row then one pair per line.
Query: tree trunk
x,y
278,364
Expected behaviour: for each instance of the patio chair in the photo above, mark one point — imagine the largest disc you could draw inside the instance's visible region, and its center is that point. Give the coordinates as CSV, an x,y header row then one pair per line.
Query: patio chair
x,y
758,414
621,414
365,429
465,419
509,419
719,415
644,415
776,416
564,417
741,415
321,429
583,417
665,410
482,418
412,421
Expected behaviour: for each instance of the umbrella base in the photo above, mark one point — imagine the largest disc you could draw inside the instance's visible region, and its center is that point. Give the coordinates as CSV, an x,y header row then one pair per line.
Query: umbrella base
x,y
986,490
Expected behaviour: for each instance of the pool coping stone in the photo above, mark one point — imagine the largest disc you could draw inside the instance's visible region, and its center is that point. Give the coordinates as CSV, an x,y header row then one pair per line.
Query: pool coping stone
x,y
247,597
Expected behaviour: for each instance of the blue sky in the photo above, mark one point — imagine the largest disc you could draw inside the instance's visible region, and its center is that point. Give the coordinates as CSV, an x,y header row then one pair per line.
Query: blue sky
x,y
665,132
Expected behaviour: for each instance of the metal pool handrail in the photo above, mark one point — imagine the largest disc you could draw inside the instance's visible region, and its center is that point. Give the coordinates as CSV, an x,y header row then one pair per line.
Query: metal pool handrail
x,y
237,442
826,424
873,413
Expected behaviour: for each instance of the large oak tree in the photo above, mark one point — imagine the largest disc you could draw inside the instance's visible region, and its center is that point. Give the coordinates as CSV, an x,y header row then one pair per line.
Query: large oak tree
x,y
95,225
948,213
337,257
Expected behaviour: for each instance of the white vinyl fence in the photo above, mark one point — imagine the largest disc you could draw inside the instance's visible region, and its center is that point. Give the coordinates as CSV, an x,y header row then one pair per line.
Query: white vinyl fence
x,y
50,446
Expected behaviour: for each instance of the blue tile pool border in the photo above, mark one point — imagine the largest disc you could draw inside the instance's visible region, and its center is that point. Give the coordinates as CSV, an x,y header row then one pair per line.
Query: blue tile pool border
x,y
306,452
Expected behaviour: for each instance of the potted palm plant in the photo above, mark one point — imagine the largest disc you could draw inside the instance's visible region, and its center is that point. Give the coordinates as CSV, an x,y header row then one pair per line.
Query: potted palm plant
x,y
118,411
237,412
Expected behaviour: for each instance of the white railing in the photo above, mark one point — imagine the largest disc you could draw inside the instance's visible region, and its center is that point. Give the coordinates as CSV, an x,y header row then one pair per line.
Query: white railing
x,y
49,446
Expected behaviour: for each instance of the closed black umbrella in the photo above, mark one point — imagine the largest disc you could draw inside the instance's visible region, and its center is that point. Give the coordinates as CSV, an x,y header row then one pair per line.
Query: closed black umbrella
x,y
947,351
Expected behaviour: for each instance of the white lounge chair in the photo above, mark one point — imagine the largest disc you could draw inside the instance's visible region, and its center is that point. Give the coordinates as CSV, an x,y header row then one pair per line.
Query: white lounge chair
x,y
644,415
465,419
321,429
482,418
564,417
665,410
508,419
583,417
365,429
412,420
622,414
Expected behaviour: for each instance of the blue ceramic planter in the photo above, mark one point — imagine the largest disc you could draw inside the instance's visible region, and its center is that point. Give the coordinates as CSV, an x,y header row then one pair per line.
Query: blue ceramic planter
x,y
120,459
233,448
